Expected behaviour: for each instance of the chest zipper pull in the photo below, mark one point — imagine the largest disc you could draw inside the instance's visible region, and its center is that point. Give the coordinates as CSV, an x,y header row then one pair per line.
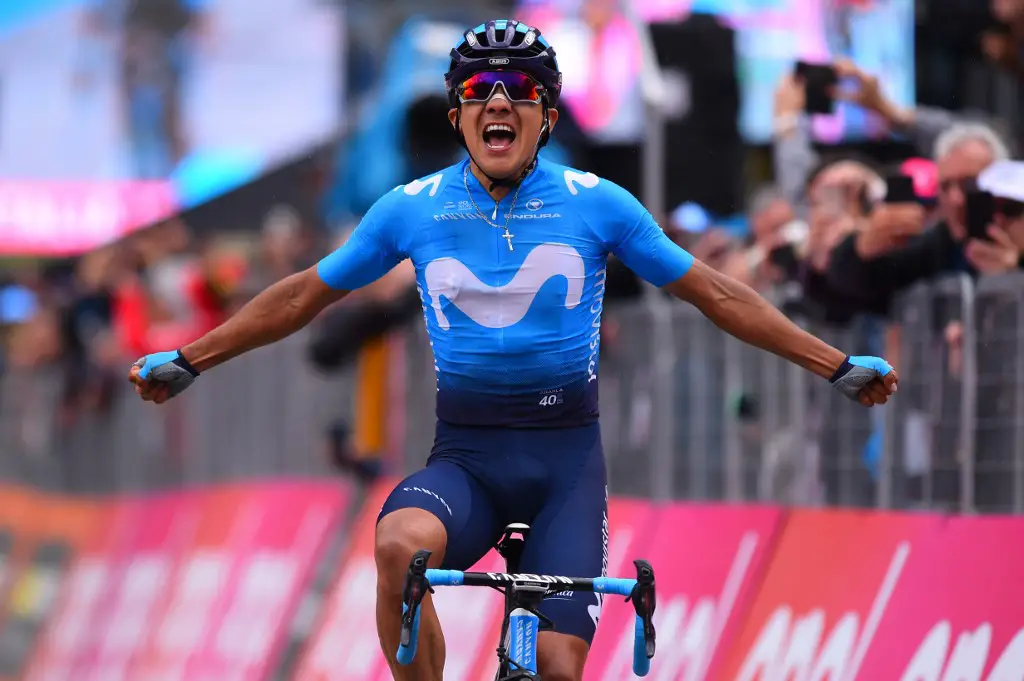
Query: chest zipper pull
x,y
494,215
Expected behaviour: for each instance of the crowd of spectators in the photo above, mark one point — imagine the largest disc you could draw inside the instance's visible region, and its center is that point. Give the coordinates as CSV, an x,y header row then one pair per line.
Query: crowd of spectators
x,y
159,287
824,226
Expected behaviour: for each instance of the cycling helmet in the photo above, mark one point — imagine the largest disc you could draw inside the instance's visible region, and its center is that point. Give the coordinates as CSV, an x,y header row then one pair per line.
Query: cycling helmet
x,y
505,44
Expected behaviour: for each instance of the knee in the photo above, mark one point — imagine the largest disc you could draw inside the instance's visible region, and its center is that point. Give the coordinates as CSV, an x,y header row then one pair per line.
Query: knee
x,y
561,657
399,536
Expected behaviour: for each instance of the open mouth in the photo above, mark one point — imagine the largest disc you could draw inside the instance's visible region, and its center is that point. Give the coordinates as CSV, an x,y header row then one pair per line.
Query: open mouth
x,y
499,136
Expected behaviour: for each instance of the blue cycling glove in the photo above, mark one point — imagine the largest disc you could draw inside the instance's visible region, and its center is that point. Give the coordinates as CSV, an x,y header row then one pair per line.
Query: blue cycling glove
x,y
169,368
856,372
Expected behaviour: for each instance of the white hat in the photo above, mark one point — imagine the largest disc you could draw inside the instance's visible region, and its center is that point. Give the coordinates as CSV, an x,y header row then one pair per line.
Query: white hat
x,y
1004,180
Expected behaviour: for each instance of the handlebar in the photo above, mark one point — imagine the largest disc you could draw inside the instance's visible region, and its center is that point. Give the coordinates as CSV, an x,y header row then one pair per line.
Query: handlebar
x,y
640,592
416,587
644,602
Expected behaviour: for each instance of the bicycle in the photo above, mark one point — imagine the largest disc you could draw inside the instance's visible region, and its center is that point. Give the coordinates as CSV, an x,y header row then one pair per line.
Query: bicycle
x,y
521,623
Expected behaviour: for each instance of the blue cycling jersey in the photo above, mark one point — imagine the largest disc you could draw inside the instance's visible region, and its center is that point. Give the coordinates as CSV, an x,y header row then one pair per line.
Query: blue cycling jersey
x,y
515,331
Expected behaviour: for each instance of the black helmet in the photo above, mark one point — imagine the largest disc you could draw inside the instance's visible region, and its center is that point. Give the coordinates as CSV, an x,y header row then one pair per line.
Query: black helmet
x,y
504,44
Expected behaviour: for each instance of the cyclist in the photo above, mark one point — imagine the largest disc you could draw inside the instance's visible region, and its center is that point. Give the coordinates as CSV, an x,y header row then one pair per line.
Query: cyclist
x,y
509,253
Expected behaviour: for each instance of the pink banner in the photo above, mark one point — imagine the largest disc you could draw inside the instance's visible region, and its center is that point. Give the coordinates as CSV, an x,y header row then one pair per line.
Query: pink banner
x,y
277,533
344,646
163,526
65,218
110,593
707,560
958,612
827,588
71,635
192,591
190,585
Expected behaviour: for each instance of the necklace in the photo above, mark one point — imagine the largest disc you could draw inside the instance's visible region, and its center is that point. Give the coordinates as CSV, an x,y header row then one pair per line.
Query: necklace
x,y
507,235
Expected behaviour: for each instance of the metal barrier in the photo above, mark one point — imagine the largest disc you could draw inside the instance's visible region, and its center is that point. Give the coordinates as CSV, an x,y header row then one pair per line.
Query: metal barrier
x,y
687,412
263,414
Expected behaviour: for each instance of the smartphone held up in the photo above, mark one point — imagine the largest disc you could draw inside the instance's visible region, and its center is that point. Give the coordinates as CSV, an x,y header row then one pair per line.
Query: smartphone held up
x,y
820,81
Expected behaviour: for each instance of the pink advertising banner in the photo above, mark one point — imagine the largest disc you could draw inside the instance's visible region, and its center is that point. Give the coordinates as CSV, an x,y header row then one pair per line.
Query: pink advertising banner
x,y
277,535
189,585
65,218
958,612
707,561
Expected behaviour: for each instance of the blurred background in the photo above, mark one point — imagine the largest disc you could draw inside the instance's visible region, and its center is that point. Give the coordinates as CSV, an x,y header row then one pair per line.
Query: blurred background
x,y
161,161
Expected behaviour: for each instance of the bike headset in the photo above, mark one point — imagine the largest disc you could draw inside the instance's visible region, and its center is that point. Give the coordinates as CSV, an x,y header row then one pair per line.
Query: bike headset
x,y
512,46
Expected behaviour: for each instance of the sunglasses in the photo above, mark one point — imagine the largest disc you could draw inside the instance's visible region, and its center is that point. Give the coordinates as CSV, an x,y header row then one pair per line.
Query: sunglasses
x,y
518,86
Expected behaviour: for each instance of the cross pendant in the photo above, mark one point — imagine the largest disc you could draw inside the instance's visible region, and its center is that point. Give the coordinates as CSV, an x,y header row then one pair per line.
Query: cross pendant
x,y
508,237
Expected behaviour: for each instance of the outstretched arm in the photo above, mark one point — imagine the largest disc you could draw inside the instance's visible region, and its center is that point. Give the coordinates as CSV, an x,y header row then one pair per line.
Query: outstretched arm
x,y
739,311
636,238
279,311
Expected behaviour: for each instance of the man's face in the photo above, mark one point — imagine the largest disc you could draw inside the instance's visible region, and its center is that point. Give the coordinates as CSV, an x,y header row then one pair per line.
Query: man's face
x,y
960,166
502,136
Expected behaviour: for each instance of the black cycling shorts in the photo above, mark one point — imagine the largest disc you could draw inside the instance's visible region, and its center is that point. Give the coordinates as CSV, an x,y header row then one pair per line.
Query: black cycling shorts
x,y
478,480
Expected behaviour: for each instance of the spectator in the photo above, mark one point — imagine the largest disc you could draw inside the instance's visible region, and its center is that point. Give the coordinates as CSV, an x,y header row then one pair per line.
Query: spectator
x,y
794,155
769,212
995,330
1004,181
891,253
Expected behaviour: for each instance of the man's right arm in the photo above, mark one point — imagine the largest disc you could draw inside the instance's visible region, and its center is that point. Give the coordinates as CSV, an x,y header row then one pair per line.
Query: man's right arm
x,y
283,308
277,312
851,273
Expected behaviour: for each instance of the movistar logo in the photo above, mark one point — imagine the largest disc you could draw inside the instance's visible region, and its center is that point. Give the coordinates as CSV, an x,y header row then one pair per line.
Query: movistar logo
x,y
498,307
416,186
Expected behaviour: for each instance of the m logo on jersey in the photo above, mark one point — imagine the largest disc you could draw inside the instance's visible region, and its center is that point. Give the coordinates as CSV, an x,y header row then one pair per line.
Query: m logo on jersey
x,y
572,179
416,186
499,307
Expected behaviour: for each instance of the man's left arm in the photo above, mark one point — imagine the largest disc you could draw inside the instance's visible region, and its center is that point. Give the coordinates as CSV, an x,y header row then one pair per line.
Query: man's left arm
x,y
739,311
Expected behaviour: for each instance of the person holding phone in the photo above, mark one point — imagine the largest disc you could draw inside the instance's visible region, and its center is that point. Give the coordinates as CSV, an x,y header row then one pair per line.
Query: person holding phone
x,y
961,154
809,89
996,225
895,221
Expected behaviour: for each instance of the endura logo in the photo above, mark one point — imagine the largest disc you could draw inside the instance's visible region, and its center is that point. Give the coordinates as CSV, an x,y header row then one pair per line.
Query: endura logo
x,y
433,494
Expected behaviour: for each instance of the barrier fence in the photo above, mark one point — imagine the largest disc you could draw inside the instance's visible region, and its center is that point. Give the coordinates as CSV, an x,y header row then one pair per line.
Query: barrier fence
x,y
221,582
687,413
266,414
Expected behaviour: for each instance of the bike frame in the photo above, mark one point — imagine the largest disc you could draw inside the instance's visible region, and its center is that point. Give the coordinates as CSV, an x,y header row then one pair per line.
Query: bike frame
x,y
521,624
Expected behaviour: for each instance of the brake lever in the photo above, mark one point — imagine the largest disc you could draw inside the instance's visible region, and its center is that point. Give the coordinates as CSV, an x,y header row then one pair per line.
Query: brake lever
x,y
645,602
416,587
